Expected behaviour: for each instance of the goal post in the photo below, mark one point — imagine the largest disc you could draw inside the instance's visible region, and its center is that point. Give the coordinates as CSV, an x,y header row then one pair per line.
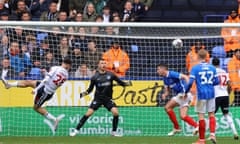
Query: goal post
x,y
44,44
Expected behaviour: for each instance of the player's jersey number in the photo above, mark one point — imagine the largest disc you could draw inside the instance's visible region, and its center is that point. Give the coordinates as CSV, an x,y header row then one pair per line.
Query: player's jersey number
x,y
206,77
222,80
59,80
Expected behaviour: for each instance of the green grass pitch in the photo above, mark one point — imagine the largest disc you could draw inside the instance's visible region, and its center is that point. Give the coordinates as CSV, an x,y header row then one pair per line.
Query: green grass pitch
x,y
110,140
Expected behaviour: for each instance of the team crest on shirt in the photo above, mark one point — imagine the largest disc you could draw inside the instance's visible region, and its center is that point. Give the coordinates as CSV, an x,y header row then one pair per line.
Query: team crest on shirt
x,y
108,77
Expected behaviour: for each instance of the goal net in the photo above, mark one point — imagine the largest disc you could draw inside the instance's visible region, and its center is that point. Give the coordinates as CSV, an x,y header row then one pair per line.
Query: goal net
x,y
29,49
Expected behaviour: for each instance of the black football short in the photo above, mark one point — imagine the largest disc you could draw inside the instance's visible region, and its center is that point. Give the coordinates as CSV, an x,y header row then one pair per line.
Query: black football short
x,y
223,102
108,104
41,96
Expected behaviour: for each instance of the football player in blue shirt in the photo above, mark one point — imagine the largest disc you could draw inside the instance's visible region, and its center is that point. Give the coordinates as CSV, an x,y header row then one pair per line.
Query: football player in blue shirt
x,y
206,78
177,82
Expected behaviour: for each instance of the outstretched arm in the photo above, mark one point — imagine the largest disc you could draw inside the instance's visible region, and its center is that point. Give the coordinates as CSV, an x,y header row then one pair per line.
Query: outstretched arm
x,y
89,90
120,82
184,77
189,84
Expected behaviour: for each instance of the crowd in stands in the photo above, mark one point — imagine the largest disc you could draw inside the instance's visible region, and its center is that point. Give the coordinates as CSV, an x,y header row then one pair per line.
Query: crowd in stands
x,y
73,10
27,52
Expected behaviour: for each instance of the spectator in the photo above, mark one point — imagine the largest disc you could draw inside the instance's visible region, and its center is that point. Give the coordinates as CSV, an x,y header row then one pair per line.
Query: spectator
x,y
109,31
4,45
63,5
75,5
83,72
54,37
106,14
71,36
62,16
4,16
34,7
116,6
21,7
117,20
92,56
78,17
41,51
31,41
117,59
25,51
89,14
96,29
25,56
63,50
5,66
231,36
191,58
2,7
48,61
234,76
44,5
77,56
98,5
18,35
147,3
138,9
128,14
82,39
26,16
17,63
51,14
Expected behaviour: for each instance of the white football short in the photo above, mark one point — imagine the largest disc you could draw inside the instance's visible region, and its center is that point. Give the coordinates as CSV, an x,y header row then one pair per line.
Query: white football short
x,y
203,106
179,99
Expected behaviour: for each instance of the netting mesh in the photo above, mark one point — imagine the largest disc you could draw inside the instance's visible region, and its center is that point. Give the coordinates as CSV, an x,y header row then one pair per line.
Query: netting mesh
x,y
146,47
32,50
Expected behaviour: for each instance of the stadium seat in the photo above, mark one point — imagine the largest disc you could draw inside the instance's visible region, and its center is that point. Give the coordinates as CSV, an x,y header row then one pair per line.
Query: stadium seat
x,y
197,4
152,15
163,3
180,4
190,14
171,13
41,36
214,4
207,12
219,52
230,4
225,63
35,73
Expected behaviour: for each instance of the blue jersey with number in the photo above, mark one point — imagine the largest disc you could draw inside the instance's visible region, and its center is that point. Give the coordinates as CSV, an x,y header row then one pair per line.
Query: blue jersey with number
x,y
174,81
206,78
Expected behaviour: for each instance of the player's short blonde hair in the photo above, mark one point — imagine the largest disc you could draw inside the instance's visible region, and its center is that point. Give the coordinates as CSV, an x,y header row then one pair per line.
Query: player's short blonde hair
x,y
202,54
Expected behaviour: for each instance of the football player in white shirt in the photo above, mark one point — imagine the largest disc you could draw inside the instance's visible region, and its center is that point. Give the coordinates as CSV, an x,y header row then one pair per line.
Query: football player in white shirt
x,y
222,95
45,89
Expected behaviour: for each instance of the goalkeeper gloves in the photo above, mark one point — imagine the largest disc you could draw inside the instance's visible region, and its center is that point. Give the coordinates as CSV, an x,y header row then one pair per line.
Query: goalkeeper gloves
x,y
82,94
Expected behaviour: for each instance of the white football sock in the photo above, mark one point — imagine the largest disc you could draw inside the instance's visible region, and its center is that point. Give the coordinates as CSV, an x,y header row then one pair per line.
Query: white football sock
x,y
13,84
50,117
230,122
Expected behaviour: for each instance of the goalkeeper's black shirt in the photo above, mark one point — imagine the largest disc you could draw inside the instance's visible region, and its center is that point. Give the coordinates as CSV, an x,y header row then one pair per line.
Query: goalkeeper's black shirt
x,y
104,85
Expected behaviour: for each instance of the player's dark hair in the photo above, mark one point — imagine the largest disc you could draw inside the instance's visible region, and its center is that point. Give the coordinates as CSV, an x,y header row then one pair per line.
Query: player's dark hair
x,y
215,61
67,61
163,65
